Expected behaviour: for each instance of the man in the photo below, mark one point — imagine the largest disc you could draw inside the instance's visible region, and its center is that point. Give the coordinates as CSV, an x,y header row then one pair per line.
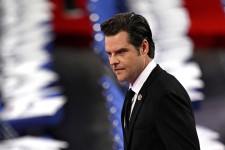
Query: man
x,y
161,116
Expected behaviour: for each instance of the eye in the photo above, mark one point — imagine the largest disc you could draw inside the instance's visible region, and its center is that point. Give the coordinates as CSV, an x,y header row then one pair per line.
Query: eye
x,y
109,54
121,52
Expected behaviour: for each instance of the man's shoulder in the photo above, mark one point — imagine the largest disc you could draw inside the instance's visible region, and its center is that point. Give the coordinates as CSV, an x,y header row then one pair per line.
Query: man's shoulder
x,y
165,80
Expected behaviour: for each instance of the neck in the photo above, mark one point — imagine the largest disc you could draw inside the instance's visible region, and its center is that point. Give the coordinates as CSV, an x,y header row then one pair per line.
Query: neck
x,y
147,61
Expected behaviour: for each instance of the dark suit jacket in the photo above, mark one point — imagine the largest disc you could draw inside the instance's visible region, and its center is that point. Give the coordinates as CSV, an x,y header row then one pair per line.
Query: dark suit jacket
x,y
163,119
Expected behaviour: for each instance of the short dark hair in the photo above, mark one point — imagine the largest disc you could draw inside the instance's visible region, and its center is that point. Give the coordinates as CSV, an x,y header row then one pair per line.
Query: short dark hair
x,y
135,25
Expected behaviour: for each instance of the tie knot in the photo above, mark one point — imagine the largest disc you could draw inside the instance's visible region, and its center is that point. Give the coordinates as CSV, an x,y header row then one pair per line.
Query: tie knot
x,y
130,93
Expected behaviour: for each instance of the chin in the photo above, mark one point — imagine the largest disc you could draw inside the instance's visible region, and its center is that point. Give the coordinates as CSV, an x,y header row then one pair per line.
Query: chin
x,y
121,79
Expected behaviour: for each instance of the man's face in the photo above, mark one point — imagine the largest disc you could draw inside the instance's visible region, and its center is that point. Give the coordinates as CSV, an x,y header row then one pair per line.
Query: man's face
x,y
126,62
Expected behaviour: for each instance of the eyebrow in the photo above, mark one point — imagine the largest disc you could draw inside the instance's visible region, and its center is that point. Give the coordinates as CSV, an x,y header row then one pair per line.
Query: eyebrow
x,y
118,50
122,49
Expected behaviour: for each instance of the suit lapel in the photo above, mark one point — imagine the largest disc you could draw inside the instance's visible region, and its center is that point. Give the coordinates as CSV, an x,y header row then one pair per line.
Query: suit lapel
x,y
142,96
136,108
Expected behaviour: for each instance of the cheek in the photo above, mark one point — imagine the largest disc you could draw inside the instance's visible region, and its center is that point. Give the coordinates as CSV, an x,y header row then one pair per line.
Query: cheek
x,y
136,67
131,68
133,64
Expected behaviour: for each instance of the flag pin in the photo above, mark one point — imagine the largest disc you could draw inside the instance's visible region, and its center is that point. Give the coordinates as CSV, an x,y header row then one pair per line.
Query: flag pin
x,y
139,97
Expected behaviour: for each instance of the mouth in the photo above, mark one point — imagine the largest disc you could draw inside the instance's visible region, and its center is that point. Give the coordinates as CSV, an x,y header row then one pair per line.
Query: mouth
x,y
118,71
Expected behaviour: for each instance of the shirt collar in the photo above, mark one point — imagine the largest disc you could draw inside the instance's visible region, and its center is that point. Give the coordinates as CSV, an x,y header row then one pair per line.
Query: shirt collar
x,y
143,77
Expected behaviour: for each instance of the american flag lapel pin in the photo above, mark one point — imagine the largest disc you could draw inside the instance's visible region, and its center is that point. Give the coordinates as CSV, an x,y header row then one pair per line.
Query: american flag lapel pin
x,y
139,97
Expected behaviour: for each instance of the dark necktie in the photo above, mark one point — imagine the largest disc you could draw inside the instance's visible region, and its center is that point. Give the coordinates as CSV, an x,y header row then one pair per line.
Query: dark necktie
x,y
128,99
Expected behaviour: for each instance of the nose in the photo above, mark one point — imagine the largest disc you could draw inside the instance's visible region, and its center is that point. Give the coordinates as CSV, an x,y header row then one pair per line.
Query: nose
x,y
113,60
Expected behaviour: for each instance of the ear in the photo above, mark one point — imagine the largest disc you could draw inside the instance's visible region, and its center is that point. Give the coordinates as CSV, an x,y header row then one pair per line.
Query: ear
x,y
144,47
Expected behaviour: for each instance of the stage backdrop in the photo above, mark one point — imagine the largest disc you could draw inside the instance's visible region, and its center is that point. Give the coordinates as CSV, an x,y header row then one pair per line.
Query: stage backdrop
x,y
71,22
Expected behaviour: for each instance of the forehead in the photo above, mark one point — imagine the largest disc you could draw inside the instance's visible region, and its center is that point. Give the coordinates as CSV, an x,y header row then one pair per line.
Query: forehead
x,y
120,40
